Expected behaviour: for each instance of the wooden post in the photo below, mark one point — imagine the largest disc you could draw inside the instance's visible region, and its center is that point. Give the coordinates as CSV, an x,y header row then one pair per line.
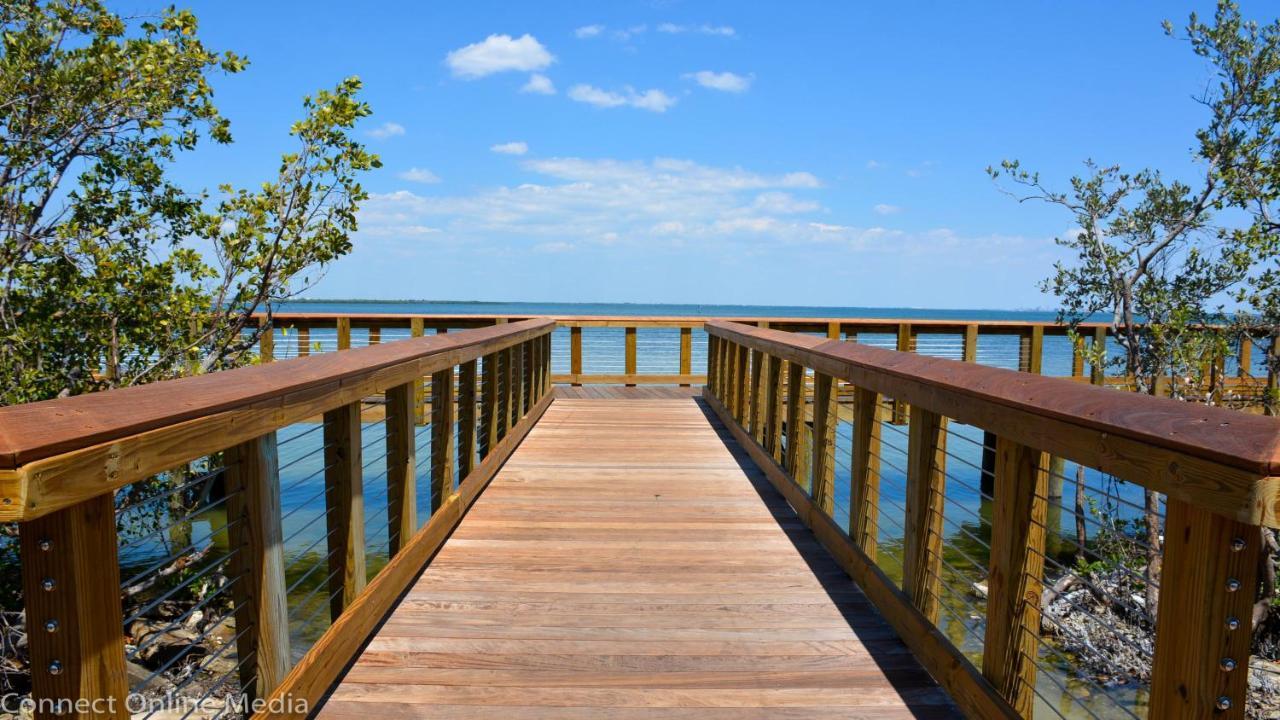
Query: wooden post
x,y
833,331
70,585
864,495
969,350
509,389
713,365
266,341
441,437
1035,355
824,441
1077,356
344,504
923,528
575,354
686,353
631,354
773,409
1098,370
1017,573
521,389
1245,363
1203,630
466,418
489,405
419,385
900,409
375,335
344,333
742,382
402,468
755,414
797,457
304,341
731,377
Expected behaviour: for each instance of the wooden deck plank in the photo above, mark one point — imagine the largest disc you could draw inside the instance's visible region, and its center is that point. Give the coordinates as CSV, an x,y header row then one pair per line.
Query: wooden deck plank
x,y
629,561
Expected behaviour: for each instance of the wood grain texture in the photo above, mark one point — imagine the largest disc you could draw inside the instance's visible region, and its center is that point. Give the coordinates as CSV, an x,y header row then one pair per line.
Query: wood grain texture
x,y
1192,633
344,502
261,605
402,464
923,528
824,441
797,435
442,437
864,494
75,551
321,666
466,418
975,696
510,621
1016,576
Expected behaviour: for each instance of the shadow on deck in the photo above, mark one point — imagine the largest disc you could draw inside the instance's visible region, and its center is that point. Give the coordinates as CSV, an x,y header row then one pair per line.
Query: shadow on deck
x,y
629,561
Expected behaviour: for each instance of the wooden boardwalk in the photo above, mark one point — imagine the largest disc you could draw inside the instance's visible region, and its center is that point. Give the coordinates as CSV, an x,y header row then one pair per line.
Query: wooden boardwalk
x,y
630,562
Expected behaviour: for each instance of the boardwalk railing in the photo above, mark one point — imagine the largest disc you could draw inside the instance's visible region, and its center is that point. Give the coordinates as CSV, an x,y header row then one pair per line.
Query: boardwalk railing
x,y
777,393
180,483
621,349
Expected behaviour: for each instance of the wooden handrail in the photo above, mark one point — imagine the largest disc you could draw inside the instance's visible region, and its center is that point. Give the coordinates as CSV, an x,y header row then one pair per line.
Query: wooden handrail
x,y
58,452
63,460
1219,459
1217,468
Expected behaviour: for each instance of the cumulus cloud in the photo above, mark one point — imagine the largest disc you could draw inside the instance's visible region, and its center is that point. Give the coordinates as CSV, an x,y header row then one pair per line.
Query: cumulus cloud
x,y
723,81
539,84
498,53
511,148
704,29
387,130
419,175
651,100
886,209
588,31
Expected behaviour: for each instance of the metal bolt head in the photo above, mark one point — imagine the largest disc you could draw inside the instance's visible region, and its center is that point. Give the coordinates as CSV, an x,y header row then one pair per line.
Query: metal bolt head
x,y
46,544
1238,544
48,584
1233,623
1227,664
55,667
1232,584
1223,703
51,626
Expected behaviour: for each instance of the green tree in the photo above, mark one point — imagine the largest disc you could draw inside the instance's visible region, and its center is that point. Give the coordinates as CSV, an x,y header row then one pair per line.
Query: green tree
x,y
111,274
1161,257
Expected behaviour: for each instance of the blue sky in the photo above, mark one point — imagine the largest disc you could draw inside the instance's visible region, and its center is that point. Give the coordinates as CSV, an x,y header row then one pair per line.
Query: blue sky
x,y
711,152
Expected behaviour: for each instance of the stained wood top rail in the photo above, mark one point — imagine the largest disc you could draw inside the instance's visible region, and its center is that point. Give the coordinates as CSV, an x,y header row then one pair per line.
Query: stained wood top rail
x,y
1224,461
58,452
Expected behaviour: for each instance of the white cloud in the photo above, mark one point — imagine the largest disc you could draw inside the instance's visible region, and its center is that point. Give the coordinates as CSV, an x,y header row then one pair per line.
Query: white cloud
x,y
724,81
651,100
387,130
782,203
539,84
704,29
511,148
498,53
626,33
557,246
588,31
874,164
886,209
419,175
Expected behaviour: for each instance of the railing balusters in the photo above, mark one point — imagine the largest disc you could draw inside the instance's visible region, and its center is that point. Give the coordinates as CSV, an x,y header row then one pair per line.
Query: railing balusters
x,y
773,410
923,528
756,393
797,456
1015,580
630,357
509,368
1204,625
344,333
489,420
70,579
575,353
442,457
686,353
864,495
253,517
344,505
420,385
402,505
825,420
466,418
